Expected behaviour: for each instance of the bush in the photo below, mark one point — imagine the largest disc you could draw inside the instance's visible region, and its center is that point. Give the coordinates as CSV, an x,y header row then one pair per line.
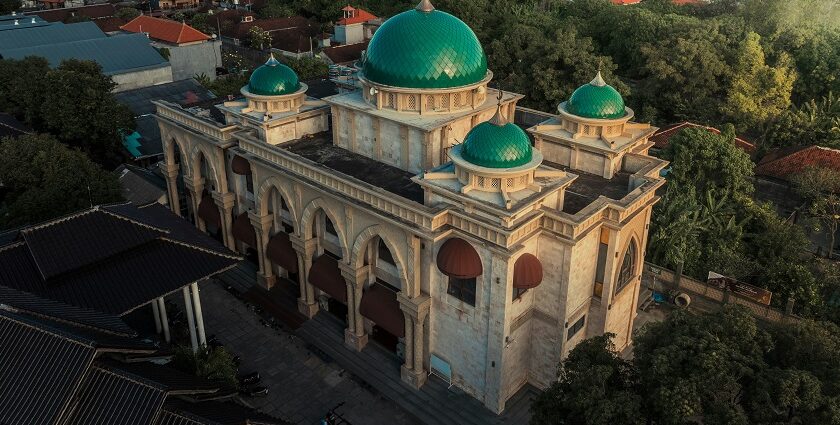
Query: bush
x,y
213,363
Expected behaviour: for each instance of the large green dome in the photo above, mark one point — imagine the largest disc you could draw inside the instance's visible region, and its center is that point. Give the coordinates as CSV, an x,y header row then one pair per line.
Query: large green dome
x,y
596,100
496,144
273,79
424,48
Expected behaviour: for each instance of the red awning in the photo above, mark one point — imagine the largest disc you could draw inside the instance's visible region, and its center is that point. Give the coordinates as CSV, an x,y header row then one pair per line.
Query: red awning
x,y
240,165
209,212
458,259
527,272
281,252
243,230
326,276
380,305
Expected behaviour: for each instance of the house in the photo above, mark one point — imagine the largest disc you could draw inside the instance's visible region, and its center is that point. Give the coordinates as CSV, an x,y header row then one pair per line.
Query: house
x,y
128,59
189,51
417,215
144,144
356,26
103,15
234,26
344,54
662,137
782,164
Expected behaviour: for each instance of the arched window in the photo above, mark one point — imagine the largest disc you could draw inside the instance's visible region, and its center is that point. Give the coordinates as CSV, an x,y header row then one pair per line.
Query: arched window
x,y
628,267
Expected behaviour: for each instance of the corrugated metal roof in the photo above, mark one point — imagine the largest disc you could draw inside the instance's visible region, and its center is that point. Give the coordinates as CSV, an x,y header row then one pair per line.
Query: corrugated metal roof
x,y
167,378
39,371
110,396
181,412
181,92
56,33
116,55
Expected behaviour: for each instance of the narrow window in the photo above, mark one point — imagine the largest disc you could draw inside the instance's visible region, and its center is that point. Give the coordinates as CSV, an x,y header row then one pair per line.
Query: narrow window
x,y
518,292
385,253
463,289
628,267
249,183
576,327
600,266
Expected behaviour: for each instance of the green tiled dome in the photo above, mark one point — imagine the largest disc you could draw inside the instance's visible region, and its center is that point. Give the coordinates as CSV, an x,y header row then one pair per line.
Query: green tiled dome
x,y
273,79
426,49
496,144
596,100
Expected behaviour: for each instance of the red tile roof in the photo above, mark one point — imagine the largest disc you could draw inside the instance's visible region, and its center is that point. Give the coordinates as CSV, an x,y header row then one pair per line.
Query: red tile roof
x,y
345,54
94,12
626,2
785,162
232,26
165,30
359,16
662,137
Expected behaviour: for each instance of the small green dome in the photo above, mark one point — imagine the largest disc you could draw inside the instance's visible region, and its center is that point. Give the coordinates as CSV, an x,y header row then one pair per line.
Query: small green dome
x,y
273,79
424,48
496,144
596,100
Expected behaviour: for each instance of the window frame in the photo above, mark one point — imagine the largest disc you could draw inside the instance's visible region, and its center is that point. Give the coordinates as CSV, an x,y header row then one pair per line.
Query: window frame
x,y
575,327
518,293
462,289
627,270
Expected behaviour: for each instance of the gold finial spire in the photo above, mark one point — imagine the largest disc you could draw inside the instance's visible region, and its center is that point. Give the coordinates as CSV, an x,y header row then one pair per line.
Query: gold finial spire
x,y
498,119
425,6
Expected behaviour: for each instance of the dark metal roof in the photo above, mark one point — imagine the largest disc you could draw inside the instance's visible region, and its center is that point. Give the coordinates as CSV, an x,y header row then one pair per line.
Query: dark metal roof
x,y
100,259
111,396
139,185
49,35
181,412
11,127
165,377
182,92
39,371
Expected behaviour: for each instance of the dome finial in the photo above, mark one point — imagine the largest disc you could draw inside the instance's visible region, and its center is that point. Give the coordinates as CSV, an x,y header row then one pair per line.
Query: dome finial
x,y
598,80
498,119
425,6
272,61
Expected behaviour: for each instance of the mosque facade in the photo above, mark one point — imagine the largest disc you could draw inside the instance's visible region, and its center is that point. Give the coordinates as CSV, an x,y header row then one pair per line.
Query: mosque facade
x,y
417,212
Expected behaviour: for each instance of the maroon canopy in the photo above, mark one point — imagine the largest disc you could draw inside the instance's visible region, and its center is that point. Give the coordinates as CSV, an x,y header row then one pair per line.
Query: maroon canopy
x,y
326,276
458,259
281,252
209,212
240,165
527,272
243,230
380,305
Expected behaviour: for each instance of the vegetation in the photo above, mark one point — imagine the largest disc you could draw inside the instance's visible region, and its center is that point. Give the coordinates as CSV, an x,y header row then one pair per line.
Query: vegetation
x,y
9,6
307,68
716,368
820,189
213,363
73,102
127,13
43,179
259,38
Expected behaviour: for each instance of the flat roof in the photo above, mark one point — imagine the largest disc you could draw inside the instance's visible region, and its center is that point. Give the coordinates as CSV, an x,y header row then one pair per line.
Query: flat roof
x,y
319,148
586,188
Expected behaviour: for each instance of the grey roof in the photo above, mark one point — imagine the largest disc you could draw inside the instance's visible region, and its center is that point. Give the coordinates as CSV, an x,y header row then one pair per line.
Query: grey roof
x,y
181,92
139,185
116,55
56,33
150,142
11,127
181,412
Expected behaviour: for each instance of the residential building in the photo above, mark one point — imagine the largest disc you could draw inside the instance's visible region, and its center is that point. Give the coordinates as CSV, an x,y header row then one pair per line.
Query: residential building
x,y
344,54
356,26
189,51
419,215
141,186
235,24
103,15
661,139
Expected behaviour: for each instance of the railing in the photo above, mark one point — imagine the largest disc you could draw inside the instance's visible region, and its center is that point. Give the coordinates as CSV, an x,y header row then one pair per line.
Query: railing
x,y
198,124
663,276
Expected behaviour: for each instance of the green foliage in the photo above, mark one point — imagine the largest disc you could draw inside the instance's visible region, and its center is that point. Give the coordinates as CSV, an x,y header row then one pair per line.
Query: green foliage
x,y
43,179
164,51
307,68
594,386
127,13
201,22
820,188
715,368
9,6
816,122
73,102
226,84
259,38
213,363
275,9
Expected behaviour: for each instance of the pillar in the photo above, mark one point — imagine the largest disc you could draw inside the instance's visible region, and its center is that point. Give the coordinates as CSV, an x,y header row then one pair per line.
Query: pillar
x,y
225,203
355,335
156,314
307,305
196,188
170,171
262,227
164,320
190,318
416,310
199,317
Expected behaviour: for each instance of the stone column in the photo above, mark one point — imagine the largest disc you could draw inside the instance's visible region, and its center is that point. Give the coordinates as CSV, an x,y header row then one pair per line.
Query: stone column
x,y
262,227
354,335
170,171
156,314
164,320
190,318
225,203
196,187
199,317
307,304
416,310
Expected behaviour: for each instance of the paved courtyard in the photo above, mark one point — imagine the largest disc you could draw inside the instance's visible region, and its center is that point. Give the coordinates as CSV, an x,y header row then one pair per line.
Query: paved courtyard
x,y
302,386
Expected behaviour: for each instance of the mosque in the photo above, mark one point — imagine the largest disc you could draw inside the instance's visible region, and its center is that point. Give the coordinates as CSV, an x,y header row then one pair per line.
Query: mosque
x,y
421,213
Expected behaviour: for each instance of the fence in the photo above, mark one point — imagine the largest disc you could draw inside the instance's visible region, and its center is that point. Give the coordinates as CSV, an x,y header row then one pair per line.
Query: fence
x,y
663,276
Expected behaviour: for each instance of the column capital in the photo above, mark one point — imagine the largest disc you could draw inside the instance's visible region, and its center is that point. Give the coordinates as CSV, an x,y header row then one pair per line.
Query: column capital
x,y
194,185
353,275
224,200
260,222
303,245
417,308
169,170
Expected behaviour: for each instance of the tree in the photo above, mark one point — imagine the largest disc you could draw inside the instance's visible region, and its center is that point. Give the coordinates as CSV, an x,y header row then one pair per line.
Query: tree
x,y
594,386
817,122
201,22
820,188
307,68
9,6
127,13
275,10
213,363
259,38
675,231
757,92
22,87
43,179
